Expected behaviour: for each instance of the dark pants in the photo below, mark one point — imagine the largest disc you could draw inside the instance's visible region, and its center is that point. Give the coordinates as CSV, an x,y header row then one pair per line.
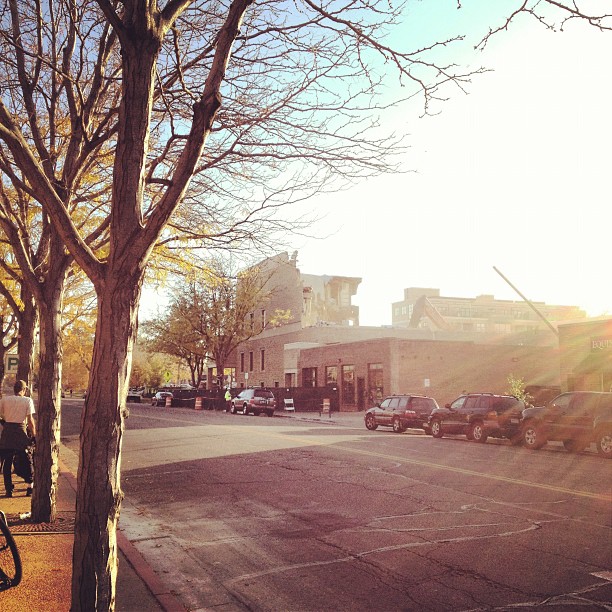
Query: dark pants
x,y
22,461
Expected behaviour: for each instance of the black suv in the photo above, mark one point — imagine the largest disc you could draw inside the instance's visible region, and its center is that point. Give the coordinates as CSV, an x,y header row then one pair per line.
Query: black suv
x,y
401,412
576,418
255,401
478,416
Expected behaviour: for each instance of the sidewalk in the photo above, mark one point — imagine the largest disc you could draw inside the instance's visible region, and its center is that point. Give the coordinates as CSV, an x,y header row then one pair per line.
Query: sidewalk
x,y
46,556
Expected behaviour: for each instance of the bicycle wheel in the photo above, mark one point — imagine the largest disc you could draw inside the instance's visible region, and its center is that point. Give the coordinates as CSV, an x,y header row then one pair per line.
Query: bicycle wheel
x,y
10,561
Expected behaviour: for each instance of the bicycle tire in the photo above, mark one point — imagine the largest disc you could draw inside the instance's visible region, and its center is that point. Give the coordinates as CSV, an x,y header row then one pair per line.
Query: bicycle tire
x,y
10,561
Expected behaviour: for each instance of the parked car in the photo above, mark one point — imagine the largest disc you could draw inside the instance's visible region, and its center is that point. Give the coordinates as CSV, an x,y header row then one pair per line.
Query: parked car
x,y
576,418
401,412
480,416
159,399
254,400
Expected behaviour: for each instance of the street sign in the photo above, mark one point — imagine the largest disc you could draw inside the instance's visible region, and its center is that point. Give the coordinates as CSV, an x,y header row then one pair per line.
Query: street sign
x,y
167,376
11,363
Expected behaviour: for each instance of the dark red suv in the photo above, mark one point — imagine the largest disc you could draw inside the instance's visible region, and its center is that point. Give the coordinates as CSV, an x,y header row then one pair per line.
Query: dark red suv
x,y
254,400
401,412
576,418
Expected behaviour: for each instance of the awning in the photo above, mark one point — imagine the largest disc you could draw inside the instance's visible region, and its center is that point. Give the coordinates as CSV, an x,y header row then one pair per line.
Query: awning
x,y
596,362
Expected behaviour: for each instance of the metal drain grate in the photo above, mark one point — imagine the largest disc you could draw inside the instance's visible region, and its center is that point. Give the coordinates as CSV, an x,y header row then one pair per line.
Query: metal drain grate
x,y
64,523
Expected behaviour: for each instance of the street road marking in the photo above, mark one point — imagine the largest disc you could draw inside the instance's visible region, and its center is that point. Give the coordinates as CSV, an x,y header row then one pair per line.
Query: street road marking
x,y
374,551
405,460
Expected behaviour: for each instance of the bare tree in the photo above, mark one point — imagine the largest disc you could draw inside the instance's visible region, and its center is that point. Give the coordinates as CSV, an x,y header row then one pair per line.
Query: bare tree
x,y
554,15
214,115
43,264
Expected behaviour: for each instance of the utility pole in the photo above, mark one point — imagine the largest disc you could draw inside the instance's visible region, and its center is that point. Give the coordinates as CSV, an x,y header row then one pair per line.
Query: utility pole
x,y
532,306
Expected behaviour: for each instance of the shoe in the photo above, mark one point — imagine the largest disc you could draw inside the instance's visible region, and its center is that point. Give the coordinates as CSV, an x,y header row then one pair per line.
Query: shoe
x,y
9,491
29,492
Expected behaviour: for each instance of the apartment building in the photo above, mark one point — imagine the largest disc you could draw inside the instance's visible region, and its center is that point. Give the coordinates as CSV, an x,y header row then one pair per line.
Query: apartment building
x,y
425,308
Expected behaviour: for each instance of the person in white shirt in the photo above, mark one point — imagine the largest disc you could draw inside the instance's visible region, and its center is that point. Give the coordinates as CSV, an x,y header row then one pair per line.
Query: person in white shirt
x,y
18,432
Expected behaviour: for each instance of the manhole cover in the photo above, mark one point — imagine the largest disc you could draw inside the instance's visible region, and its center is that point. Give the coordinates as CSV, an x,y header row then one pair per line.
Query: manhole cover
x,y
64,523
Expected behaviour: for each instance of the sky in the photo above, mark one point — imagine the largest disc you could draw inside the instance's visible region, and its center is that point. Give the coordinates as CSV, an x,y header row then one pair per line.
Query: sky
x,y
515,175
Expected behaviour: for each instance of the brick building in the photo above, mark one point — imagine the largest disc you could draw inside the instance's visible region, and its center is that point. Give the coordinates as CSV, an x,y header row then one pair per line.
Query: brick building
x,y
322,345
366,371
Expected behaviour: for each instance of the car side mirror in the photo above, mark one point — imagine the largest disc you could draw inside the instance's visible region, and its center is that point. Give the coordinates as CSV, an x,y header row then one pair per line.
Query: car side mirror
x,y
447,406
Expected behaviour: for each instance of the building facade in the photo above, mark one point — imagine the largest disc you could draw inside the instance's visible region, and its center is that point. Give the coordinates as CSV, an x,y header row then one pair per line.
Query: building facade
x,y
586,355
322,345
425,308
366,371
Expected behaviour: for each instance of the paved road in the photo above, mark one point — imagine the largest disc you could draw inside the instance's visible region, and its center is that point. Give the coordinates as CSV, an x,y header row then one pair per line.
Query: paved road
x,y
257,513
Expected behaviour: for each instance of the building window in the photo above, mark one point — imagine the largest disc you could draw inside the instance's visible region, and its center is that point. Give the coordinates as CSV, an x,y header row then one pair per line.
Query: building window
x,y
331,376
375,382
502,328
250,361
309,377
289,379
348,384
242,362
262,364
252,319
263,320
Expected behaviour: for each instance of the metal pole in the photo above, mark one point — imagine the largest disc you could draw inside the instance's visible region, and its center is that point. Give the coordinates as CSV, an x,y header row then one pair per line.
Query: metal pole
x,y
550,325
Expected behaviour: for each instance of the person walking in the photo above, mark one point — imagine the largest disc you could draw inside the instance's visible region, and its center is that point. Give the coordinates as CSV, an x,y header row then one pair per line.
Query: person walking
x,y
18,433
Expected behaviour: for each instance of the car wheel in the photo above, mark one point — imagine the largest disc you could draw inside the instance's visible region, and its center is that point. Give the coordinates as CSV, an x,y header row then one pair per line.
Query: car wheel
x,y
436,429
397,426
270,413
604,442
574,446
477,432
370,422
533,436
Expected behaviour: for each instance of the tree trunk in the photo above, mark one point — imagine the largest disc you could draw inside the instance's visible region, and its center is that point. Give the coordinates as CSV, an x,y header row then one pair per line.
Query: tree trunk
x,y
94,558
49,402
27,338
